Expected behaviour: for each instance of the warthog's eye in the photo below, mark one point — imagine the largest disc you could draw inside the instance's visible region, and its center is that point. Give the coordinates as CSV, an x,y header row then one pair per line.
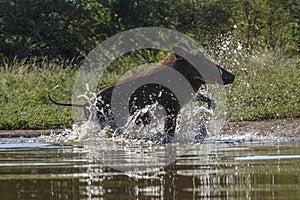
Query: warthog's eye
x,y
221,72
179,58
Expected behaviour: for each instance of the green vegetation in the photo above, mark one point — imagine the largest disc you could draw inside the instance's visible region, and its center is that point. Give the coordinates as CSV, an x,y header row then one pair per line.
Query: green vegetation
x,y
43,42
66,29
24,103
267,86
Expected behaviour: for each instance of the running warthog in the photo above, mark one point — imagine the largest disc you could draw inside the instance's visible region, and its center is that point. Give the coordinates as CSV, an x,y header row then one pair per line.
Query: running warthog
x,y
151,93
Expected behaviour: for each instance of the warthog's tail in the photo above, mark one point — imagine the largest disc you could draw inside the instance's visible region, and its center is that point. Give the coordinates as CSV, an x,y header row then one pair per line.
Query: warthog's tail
x,y
62,104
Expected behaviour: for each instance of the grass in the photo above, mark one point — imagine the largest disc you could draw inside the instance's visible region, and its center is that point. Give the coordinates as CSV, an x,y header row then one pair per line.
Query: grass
x,y
266,86
24,102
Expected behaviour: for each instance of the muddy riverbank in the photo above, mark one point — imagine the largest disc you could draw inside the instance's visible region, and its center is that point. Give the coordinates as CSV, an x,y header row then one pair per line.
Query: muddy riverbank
x,y
276,127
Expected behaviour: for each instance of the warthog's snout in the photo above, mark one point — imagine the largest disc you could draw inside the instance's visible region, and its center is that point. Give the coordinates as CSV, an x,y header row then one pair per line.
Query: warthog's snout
x,y
227,76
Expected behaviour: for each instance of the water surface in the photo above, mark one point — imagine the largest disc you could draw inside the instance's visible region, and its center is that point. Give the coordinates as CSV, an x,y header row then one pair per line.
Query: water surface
x,y
218,169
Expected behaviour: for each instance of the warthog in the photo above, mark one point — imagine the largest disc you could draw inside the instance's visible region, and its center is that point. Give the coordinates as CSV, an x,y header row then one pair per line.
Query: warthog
x,y
151,93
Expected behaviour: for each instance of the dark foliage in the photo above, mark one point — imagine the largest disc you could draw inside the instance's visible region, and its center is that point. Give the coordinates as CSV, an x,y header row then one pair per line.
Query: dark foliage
x,y
64,29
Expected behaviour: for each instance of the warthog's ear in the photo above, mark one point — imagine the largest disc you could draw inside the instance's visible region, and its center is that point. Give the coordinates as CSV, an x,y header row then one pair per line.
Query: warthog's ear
x,y
199,78
180,50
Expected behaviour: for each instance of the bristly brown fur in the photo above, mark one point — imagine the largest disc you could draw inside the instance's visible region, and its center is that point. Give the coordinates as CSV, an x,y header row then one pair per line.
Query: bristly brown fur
x,y
169,60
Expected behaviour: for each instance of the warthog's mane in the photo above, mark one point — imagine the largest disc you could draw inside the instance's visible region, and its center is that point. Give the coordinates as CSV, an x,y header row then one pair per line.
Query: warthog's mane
x,y
166,62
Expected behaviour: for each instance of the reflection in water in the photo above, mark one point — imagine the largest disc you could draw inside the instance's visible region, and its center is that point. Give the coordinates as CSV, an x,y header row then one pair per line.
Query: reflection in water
x,y
42,171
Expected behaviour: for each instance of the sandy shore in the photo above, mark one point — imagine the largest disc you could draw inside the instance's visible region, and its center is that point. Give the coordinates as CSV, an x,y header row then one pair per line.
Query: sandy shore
x,y
289,128
275,127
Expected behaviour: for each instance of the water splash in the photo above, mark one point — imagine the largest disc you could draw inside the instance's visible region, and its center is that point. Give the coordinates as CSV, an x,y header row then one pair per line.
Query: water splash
x,y
193,121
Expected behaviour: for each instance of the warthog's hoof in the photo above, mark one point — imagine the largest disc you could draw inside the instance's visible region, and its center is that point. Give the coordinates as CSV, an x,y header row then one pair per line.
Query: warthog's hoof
x,y
162,138
199,138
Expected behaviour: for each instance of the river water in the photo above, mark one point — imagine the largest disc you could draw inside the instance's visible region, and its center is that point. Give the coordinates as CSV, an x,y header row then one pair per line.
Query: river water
x,y
32,168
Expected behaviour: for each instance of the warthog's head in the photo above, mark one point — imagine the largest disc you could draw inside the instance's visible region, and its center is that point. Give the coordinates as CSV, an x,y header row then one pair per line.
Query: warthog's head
x,y
198,69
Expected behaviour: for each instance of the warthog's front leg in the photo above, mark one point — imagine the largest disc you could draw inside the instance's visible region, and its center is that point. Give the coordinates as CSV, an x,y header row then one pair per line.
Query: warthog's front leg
x,y
211,103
